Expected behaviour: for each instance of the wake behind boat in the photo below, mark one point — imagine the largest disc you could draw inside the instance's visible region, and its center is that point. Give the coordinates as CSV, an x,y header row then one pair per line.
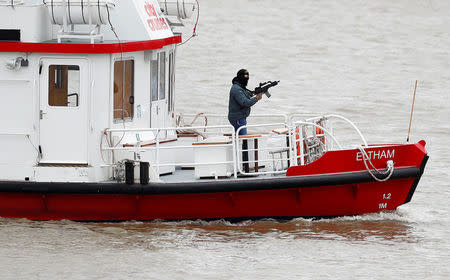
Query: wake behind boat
x,y
89,130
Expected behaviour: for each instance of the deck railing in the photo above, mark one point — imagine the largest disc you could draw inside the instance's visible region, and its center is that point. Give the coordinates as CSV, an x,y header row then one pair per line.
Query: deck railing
x,y
156,144
281,145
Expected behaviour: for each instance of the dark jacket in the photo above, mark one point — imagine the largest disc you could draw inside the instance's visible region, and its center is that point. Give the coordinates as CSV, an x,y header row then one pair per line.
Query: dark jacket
x,y
239,103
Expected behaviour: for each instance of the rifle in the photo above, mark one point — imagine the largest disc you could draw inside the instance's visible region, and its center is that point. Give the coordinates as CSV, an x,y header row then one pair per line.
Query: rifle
x,y
264,88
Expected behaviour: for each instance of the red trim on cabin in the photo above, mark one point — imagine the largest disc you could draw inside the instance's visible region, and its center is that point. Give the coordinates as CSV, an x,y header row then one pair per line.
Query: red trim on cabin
x,y
88,48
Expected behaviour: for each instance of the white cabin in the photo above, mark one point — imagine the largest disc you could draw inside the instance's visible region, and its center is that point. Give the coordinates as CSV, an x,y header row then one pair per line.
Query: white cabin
x,y
69,70
86,87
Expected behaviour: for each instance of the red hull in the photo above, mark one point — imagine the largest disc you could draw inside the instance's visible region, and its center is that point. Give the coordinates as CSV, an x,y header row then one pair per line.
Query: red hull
x,y
351,198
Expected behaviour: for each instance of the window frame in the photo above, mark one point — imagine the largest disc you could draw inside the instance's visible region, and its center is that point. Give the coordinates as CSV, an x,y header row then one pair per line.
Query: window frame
x,y
152,63
162,80
133,86
171,80
54,90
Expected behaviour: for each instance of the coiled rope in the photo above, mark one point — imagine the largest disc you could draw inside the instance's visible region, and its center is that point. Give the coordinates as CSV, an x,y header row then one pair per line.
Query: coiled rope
x,y
388,173
181,123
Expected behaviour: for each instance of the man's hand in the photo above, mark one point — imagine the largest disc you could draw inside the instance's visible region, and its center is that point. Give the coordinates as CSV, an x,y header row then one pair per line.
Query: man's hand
x,y
259,96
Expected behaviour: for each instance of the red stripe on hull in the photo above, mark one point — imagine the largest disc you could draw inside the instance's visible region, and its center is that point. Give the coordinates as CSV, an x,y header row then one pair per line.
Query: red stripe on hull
x,y
352,199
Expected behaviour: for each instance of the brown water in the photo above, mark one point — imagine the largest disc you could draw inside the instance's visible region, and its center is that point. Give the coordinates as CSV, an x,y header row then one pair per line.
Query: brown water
x,y
359,59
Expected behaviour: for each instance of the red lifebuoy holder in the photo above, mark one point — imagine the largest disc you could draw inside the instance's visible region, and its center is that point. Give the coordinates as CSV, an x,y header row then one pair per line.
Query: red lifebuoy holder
x,y
320,134
297,138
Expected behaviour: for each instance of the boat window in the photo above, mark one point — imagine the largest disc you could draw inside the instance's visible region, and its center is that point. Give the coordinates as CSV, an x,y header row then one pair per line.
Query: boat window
x,y
162,76
123,89
64,85
154,79
171,81
12,35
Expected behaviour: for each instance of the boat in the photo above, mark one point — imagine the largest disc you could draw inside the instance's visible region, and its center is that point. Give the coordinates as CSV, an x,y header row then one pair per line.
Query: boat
x,y
89,130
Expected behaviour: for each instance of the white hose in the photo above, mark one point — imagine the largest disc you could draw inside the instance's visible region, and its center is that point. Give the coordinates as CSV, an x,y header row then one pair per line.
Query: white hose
x,y
389,171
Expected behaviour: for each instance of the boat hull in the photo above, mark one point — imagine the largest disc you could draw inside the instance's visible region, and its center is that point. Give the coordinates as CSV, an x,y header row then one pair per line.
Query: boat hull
x,y
306,191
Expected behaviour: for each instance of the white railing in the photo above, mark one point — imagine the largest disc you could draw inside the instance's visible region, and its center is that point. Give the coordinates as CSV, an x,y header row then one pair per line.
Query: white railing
x,y
224,118
242,148
219,119
351,124
137,147
293,146
301,138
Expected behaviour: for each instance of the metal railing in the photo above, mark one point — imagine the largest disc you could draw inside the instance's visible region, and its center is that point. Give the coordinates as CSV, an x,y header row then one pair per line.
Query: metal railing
x,y
219,119
157,144
242,148
301,139
295,145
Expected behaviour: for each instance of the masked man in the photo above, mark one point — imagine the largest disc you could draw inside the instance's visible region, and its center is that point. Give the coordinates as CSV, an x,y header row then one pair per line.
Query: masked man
x,y
240,101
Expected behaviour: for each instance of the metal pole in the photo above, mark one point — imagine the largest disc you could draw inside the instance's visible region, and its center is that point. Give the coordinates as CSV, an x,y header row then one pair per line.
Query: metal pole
x,y
301,140
157,150
412,111
233,137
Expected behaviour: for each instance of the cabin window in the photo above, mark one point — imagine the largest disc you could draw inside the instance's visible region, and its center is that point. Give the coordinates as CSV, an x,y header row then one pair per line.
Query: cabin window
x,y
171,81
123,89
162,76
154,79
64,85
158,77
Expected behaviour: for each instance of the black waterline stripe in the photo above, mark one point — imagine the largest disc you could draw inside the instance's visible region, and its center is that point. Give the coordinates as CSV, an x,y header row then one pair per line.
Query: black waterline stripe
x,y
202,187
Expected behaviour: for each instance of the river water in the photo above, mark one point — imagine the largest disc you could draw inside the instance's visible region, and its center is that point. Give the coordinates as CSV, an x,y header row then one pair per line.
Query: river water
x,y
359,59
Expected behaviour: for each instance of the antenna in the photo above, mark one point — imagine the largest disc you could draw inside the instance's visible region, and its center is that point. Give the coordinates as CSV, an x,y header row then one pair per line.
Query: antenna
x,y
412,111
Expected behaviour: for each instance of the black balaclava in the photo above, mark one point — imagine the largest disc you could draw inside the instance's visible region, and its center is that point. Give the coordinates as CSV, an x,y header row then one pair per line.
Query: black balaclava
x,y
243,81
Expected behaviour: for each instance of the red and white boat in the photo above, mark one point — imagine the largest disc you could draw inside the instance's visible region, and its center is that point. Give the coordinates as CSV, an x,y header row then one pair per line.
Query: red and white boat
x,y
89,132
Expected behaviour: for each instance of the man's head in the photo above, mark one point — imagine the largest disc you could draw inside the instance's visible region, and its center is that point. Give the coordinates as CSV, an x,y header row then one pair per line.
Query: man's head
x,y
242,77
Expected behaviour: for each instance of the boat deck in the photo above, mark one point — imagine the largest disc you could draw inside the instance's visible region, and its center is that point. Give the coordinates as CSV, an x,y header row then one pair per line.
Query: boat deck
x,y
187,175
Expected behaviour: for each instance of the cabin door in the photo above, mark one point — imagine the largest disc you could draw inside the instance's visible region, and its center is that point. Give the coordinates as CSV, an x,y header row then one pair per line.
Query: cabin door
x,y
159,106
63,110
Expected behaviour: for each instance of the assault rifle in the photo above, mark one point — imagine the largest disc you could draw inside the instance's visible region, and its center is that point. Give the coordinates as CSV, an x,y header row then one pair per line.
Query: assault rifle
x,y
264,88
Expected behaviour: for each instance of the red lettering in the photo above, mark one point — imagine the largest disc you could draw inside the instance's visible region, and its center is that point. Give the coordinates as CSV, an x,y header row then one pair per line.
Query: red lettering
x,y
163,23
151,25
150,10
158,24
153,10
154,22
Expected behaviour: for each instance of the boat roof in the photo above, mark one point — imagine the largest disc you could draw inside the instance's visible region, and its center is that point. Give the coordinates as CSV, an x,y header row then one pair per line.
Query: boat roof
x,y
119,26
83,47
